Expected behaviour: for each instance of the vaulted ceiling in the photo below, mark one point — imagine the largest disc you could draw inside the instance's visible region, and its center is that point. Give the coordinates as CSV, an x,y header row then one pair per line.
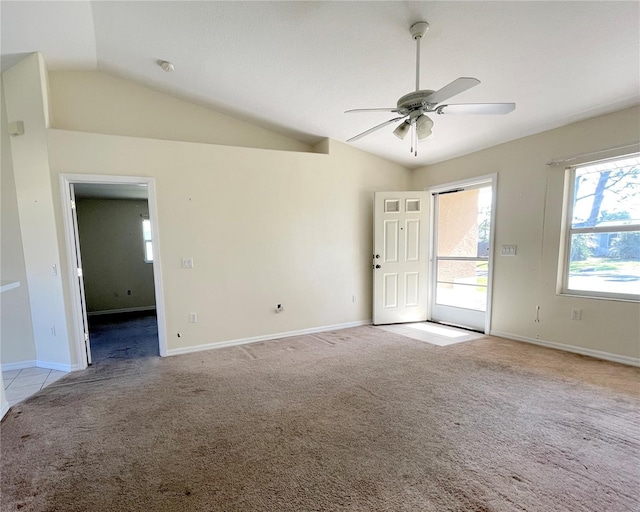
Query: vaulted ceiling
x,y
295,67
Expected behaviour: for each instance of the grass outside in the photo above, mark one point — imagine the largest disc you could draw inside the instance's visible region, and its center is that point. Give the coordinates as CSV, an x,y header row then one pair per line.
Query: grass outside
x,y
605,265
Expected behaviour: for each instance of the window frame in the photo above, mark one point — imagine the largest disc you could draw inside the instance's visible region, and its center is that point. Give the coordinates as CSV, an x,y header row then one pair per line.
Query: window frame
x,y
568,231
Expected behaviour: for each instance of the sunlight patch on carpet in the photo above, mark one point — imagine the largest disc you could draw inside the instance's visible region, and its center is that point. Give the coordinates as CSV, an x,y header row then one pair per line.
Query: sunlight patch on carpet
x,y
441,335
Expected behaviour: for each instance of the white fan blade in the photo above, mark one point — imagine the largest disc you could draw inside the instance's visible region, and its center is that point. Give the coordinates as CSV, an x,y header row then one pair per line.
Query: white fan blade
x,y
371,130
456,87
371,110
477,108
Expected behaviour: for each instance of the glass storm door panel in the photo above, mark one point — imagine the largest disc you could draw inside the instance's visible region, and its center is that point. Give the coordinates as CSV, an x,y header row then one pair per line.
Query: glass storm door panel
x,y
462,227
400,259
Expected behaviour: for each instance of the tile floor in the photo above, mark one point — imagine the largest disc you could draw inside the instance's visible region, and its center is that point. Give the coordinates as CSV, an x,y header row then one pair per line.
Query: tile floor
x,y
436,334
21,384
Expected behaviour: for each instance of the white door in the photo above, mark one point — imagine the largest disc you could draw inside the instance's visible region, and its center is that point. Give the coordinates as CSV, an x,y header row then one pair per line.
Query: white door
x,y
460,283
400,259
78,262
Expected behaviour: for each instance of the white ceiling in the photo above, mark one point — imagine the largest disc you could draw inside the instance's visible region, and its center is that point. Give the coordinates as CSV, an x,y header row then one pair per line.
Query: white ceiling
x,y
294,67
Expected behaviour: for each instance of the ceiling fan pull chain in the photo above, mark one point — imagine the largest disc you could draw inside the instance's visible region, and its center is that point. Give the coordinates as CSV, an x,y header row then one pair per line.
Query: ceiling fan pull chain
x,y
411,150
415,139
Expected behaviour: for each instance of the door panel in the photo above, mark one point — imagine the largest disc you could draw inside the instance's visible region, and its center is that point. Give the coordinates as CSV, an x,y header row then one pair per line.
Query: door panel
x,y
412,242
412,289
390,290
400,245
391,237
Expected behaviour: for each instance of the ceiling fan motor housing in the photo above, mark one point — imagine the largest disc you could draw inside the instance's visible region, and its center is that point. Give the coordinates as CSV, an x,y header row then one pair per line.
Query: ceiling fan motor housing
x,y
414,100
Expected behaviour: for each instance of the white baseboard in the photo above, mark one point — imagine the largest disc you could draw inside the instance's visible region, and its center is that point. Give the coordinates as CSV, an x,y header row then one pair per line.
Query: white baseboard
x,y
121,310
598,354
267,337
4,410
57,366
20,365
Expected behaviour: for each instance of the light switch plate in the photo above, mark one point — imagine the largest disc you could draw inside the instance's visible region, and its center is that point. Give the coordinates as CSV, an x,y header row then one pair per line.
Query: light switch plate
x,y
508,250
187,262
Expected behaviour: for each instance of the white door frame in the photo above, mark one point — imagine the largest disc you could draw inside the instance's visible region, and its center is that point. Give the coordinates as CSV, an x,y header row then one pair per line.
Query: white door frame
x,y
487,179
76,306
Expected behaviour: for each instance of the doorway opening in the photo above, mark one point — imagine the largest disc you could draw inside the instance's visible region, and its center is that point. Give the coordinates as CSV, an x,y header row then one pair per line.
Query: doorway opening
x,y
115,275
123,336
460,290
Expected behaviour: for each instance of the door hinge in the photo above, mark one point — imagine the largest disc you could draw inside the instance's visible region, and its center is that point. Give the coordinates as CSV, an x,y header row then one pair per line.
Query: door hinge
x,y
79,269
86,336
73,204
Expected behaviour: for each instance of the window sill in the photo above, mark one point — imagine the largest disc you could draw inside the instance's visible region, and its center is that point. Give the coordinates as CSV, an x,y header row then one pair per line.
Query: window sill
x,y
587,295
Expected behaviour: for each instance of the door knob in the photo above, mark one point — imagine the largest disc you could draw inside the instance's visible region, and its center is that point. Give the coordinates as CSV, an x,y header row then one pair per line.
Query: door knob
x,y
378,266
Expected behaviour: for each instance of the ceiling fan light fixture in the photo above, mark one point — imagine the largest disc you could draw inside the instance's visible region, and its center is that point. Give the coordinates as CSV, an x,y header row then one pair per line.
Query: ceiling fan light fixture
x,y
423,126
402,130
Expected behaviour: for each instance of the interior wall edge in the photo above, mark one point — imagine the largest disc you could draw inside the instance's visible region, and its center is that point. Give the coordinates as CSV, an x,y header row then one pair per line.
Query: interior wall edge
x,y
25,94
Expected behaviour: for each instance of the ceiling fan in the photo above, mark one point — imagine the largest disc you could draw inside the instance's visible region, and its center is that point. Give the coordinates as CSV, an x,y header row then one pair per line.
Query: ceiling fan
x,y
413,107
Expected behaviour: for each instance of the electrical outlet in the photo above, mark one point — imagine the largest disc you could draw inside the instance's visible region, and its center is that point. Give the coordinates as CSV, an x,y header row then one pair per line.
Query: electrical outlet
x,y
279,308
576,314
187,262
354,298
193,318
53,330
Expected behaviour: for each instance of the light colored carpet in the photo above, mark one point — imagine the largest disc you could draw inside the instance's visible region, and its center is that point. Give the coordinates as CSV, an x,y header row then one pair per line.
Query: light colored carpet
x,y
359,419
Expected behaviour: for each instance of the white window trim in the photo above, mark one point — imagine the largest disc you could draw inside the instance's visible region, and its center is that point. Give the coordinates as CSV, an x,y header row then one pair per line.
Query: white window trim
x,y
564,263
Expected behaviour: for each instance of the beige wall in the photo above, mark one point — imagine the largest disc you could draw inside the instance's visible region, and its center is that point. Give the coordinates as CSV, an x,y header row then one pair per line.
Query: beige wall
x,y
16,332
110,232
263,227
528,214
92,101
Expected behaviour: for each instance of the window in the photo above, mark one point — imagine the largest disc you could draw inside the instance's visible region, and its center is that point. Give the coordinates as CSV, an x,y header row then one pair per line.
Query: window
x,y
603,229
146,237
